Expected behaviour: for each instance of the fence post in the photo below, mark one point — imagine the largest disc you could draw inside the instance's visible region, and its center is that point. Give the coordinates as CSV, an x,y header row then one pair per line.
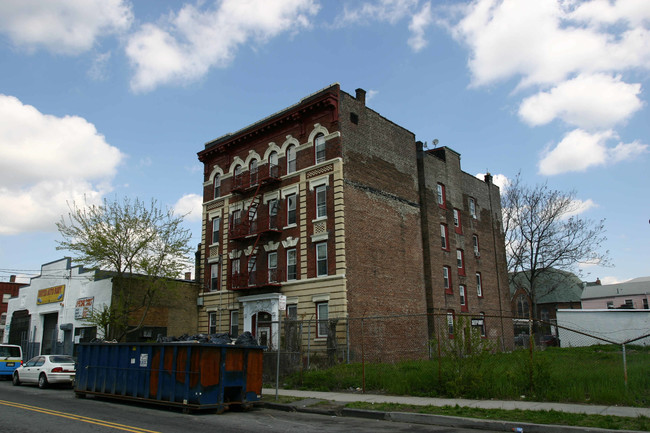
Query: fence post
x,y
347,339
624,367
363,362
308,341
277,366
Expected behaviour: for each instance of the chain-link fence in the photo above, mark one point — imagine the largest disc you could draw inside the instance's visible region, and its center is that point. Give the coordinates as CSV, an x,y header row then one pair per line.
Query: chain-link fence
x,y
460,349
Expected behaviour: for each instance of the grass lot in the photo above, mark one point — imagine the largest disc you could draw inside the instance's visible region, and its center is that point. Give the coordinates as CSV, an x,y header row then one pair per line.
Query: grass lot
x,y
579,375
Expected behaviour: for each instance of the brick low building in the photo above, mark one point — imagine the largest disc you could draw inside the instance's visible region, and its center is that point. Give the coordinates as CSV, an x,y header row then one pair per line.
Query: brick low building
x,y
340,212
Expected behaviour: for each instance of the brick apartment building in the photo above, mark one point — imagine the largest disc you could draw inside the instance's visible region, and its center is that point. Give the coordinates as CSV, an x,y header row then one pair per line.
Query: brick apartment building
x,y
341,211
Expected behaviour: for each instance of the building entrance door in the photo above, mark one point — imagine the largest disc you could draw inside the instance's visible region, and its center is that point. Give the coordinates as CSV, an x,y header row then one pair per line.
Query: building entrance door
x,y
49,333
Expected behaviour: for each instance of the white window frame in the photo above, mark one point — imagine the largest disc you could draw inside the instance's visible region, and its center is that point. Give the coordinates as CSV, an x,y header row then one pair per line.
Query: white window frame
x,y
450,323
212,323
440,190
479,285
292,205
272,267
253,171
457,219
216,224
217,186
477,251
462,293
321,201
472,207
321,256
322,318
444,236
292,260
460,261
291,159
234,323
319,148
446,278
215,270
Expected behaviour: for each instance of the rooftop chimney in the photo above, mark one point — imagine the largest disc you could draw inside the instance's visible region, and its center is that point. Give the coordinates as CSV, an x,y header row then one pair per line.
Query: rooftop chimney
x,y
488,178
12,279
188,276
361,96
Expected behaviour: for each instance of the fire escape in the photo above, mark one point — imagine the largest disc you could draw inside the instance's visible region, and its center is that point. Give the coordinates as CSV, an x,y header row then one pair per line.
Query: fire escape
x,y
252,224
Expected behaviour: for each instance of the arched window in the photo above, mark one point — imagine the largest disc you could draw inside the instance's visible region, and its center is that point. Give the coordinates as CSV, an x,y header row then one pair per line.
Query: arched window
x,y
319,148
291,159
522,306
237,177
273,164
252,170
217,185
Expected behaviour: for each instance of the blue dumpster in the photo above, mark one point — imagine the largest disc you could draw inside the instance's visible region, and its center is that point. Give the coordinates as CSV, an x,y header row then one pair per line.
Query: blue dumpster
x,y
186,374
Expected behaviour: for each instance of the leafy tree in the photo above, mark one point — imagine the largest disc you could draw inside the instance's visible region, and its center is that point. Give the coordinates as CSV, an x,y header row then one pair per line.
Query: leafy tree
x,y
543,233
140,245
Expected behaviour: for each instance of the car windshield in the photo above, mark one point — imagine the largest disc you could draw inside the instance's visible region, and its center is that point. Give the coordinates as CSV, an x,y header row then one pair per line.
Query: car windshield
x,y
62,359
12,351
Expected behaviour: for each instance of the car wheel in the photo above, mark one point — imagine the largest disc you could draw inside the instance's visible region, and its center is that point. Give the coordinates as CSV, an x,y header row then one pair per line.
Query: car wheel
x,y
15,379
42,381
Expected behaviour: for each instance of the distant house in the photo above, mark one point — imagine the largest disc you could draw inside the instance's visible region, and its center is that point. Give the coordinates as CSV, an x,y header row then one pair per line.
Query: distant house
x,y
631,295
554,289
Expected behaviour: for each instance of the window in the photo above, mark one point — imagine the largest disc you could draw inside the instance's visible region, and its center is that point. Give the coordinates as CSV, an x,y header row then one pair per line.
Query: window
x,y
610,305
273,214
522,306
237,181
457,223
463,299
217,186
234,323
460,262
291,209
479,323
292,312
236,267
236,218
450,323
252,271
319,146
273,164
272,260
321,201
216,225
477,253
446,277
479,286
472,207
6,297
322,313
291,159
629,304
252,171
645,304
321,260
214,277
3,319
212,323
291,264
444,237
441,195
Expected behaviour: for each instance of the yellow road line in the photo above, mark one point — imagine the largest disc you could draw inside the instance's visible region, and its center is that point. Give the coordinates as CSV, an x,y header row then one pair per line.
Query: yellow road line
x,y
77,417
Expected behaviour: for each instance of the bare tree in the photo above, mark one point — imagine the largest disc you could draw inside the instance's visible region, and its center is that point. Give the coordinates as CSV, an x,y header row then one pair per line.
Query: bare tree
x,y
142,247
543,233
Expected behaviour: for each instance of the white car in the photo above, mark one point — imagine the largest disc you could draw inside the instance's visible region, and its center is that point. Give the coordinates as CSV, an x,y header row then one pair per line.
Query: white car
x,y
45,370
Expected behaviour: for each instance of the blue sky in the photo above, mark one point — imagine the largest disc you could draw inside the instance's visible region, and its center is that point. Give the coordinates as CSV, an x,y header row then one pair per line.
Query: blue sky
x,y
112,98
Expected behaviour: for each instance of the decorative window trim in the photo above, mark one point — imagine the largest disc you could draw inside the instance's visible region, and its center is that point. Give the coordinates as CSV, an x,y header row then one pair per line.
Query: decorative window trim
x,y
290,242
289,191
271,246
320,237
319,181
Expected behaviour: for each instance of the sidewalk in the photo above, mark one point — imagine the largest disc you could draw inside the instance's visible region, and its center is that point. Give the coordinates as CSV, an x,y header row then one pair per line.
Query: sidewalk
x,y
311,398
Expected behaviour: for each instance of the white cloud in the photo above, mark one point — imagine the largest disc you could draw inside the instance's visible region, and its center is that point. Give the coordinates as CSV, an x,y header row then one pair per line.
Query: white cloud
x,y
371,94
62,26
45,161
185,45
419,22
190,205
588,101
580,150
500,180
545,42
580,206
97,70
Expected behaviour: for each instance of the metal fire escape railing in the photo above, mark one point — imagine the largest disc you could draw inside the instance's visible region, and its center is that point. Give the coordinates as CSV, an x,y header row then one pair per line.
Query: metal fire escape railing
x,y
247,228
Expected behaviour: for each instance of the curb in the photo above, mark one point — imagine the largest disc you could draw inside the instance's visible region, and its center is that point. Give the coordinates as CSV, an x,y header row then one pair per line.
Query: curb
x,y
439,420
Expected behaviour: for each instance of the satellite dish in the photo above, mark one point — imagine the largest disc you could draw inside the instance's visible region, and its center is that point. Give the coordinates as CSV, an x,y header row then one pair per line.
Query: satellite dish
x,y
435,142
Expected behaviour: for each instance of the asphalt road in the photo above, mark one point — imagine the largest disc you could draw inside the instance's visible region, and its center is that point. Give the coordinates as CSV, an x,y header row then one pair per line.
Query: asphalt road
x,y
28,409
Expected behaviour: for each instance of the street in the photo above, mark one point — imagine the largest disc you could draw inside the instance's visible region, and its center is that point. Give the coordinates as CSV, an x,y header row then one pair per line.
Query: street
x,y
28,409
